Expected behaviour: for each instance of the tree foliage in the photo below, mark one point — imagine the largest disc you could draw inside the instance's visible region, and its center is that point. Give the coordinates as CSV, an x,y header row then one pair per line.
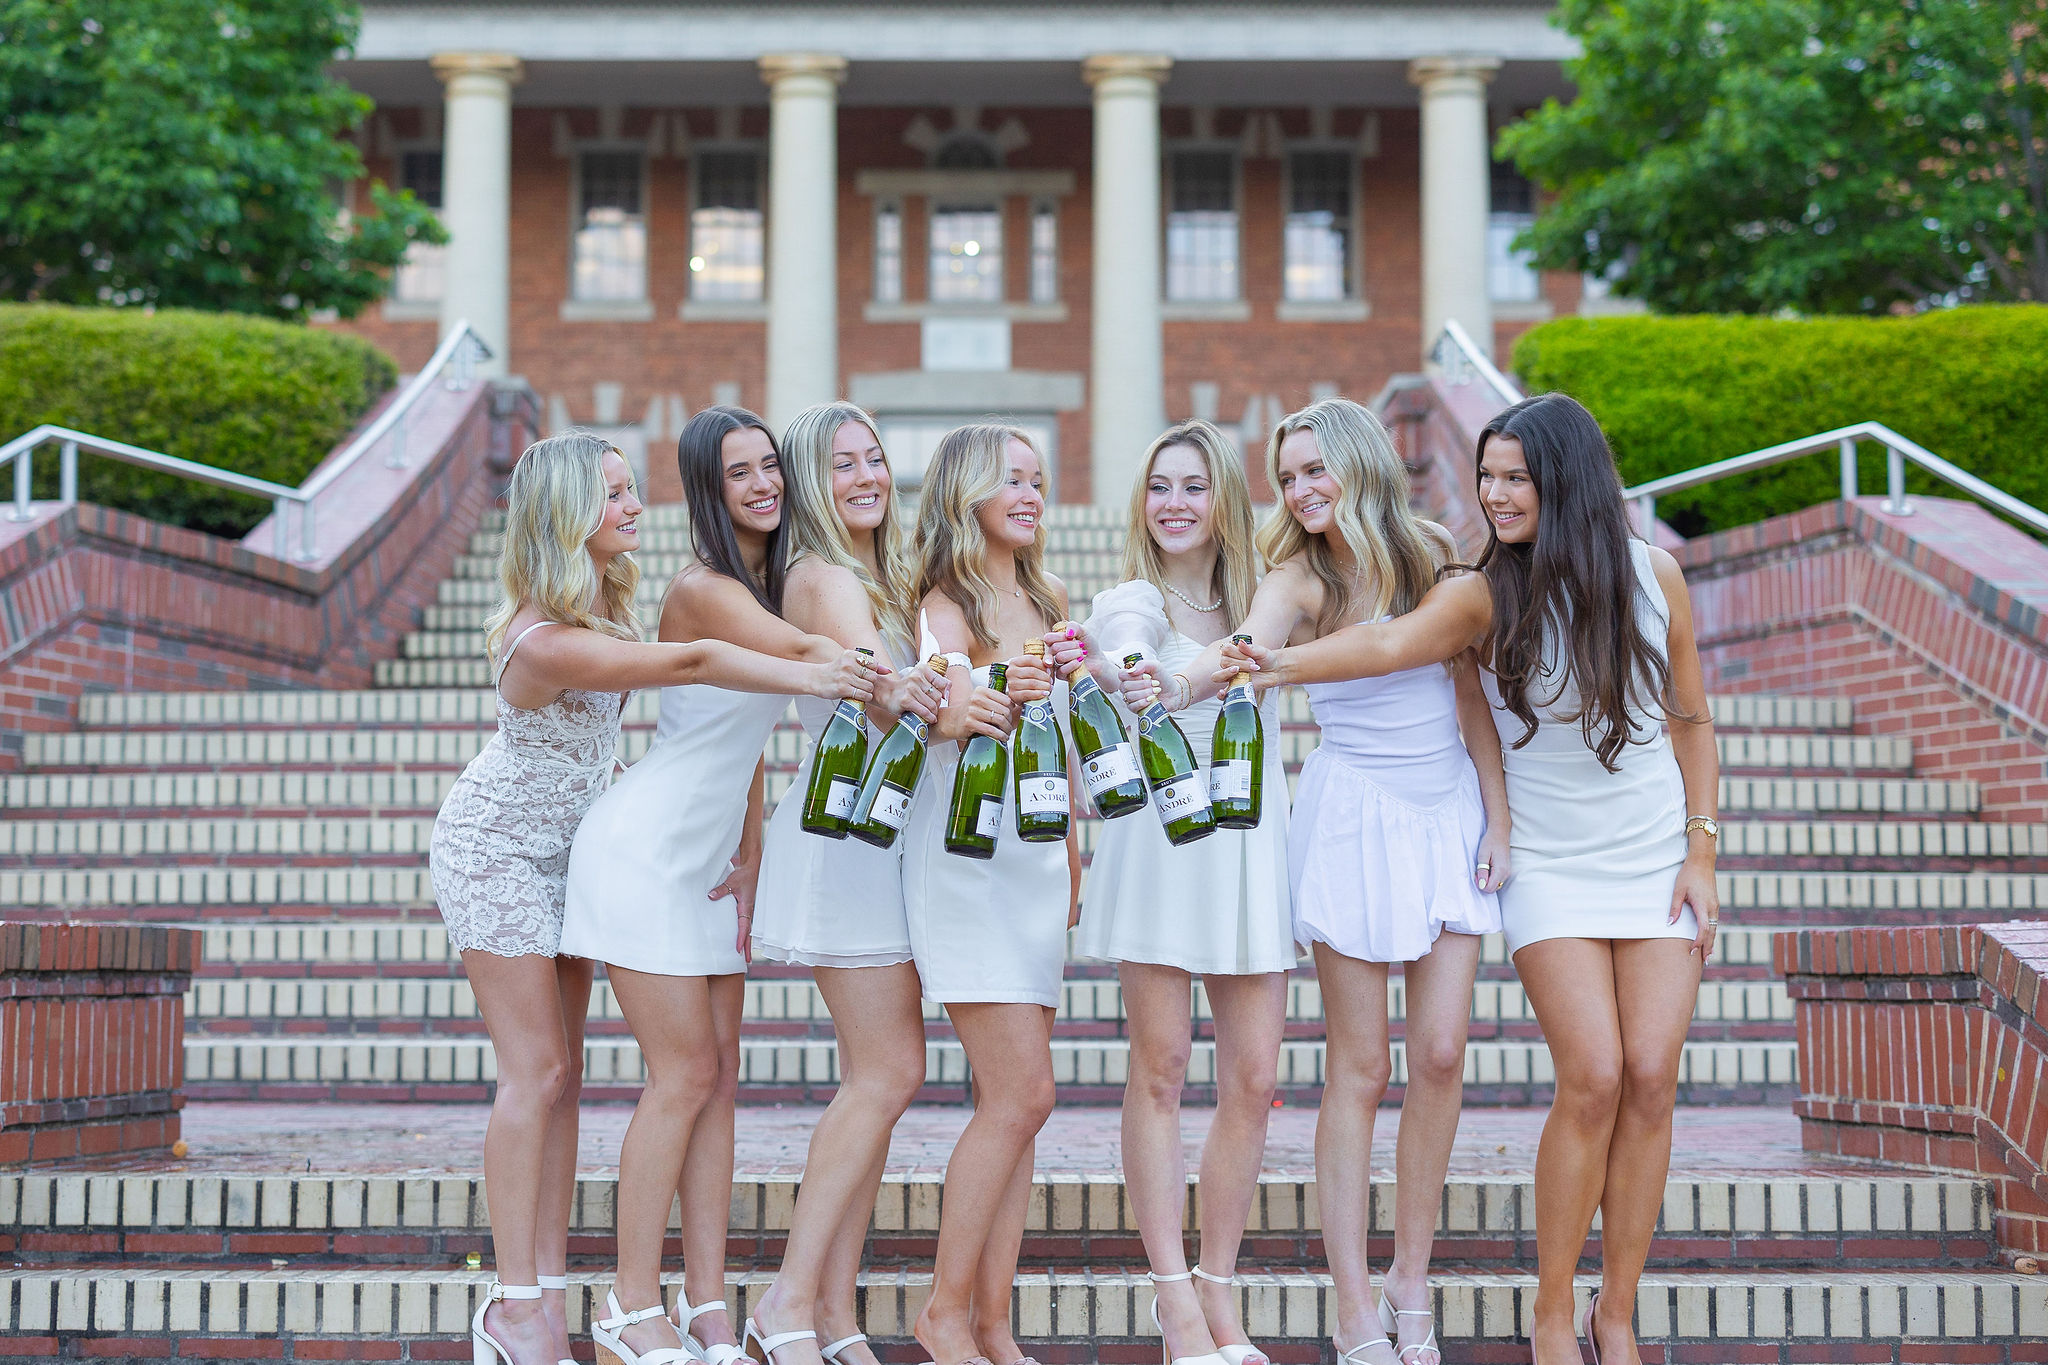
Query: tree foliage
x,y
188,153
1814,155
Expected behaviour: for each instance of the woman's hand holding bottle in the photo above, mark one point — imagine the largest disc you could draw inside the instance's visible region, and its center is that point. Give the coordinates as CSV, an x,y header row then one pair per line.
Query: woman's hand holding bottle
x,y
1065,645
1142,684
989,712
914,691
1030,679
1242,656
852,674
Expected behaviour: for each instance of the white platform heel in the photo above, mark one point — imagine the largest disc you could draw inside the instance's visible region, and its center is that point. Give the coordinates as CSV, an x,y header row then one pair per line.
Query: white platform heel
x,y
607,1331
711,1353
1166,1355
1243,1352
486,1349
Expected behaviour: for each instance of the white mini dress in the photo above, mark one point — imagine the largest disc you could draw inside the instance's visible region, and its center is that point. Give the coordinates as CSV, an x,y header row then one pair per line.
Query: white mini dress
x,y
1387,820
651,849
1218,906
1596,854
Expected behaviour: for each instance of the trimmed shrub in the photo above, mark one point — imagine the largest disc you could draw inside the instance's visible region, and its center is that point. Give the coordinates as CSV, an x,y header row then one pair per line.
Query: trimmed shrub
x,y
263,398
1674,393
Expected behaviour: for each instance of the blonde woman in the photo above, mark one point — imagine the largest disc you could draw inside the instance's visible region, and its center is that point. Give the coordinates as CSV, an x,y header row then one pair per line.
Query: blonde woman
x,y
836,905
1397,842
1217,908
566,652
988,937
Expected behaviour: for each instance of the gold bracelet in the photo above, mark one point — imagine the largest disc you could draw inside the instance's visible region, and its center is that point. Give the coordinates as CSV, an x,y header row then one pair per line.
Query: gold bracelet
x,y
1186,694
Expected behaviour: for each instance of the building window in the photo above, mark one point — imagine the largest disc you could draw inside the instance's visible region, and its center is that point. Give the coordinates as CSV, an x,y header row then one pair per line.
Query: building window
x,y
1201,226
888,252
420,277
967,254
1510,274
1319,226
610,254
726,250
1045,252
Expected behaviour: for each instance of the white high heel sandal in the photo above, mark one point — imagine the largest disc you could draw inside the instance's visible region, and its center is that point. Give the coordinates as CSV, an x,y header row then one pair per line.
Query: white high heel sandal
x,y
1166,1354
1242,1352
711,1353
832,1350
770,1345
606,1333
1390,1323
485,1348
560,1282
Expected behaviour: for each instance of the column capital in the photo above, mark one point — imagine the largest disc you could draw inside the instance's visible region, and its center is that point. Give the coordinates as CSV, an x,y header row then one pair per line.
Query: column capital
x,y
1441,73
503,65
778,67
1109,66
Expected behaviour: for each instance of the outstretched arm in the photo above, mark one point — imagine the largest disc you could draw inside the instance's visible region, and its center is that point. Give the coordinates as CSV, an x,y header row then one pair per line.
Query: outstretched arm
x,y
1285,599
1454,616
563,657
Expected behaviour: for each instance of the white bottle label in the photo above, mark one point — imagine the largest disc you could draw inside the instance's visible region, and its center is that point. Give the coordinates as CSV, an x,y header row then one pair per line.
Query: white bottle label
x,y
988,821
1230,780
892,806
1111,767
1181,797
840,796
1042,794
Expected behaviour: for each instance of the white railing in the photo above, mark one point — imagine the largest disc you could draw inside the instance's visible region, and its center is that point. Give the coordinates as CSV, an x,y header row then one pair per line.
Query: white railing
x,y
1461,361
453,363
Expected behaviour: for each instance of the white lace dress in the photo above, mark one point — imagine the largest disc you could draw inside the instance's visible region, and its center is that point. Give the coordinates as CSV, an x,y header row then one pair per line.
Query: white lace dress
x,y
500,852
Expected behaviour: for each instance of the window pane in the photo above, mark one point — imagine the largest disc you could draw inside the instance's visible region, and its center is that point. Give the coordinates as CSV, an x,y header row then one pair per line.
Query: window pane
x,y
888,253
611,233
726,248
1201,227
1318,233
1045,253
967,255
1510,277
420,277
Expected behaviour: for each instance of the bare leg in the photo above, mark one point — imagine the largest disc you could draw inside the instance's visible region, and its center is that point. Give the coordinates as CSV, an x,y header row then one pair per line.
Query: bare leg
x,y
1570,982
1656,981
995,1275
1158,1004
1251,1015
838,1315
1009,1047
1357,1066
519,1000
558,1159
706,1183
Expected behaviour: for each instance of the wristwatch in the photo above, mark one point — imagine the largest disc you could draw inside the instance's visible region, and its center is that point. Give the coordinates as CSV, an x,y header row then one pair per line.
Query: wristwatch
x,y
1706,823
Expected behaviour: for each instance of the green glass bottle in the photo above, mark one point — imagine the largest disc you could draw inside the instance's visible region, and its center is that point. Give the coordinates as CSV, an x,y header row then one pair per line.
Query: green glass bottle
x,y
1237,755
976,815
883,807
1109,761
1179,792
836,763
1038,768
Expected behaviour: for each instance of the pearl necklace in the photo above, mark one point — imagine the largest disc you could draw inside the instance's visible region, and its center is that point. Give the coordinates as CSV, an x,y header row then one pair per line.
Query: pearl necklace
x,y
1193,605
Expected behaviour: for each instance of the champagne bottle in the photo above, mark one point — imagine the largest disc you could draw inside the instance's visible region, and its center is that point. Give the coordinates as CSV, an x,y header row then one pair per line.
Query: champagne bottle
x,y
1038,768
836,764
1109,761
883,807
1237,756
976,815
1179,792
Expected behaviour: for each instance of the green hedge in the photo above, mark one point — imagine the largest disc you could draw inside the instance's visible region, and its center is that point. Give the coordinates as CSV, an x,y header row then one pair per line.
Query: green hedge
x,y
264,398
1677,392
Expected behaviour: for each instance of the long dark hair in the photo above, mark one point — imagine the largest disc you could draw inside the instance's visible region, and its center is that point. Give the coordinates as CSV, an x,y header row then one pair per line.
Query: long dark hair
x,y
700,456
1575,583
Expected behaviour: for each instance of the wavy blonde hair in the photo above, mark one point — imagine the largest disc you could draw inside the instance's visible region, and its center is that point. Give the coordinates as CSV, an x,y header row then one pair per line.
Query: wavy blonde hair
x,y
554,505
966,471
1398,554
1230,518
813,526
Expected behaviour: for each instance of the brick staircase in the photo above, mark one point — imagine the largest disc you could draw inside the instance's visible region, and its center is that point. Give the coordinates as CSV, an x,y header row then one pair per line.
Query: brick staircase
x,y
293,827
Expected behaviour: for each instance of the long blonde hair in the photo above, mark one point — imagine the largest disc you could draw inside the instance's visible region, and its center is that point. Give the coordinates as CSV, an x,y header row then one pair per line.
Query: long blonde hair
x,y
966,470
1230,518
554,505
1398,555
812,525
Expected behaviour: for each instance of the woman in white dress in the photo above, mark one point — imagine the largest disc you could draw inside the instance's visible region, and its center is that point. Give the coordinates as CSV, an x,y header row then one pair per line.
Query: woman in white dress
x,y
661,887
1612,911
566,651
989,937
836,905
1396,843
1217,908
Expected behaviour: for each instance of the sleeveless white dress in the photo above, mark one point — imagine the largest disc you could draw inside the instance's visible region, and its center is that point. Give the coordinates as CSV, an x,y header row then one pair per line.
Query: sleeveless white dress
x,y
1218,906
1596,854
654,845
828,902
993,930
1387,820
500,851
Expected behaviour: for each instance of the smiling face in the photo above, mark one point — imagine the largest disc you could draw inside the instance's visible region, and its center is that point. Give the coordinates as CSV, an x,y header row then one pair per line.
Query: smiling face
x,y
1009,520
1177,501
1306,484
752,481
1506,490
860,477
618,532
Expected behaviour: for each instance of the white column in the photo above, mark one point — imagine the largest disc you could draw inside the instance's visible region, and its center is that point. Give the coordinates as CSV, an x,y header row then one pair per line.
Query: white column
x,y
803,231
1457,173
476,196
1127,389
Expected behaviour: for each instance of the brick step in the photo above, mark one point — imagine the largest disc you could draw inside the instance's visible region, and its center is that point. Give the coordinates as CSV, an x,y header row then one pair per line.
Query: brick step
x,y
1062,1316
1087,1070
1848,1218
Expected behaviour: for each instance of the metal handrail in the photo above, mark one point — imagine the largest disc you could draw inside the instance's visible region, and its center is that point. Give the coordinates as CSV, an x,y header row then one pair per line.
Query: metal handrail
x,y
459,351
1459,357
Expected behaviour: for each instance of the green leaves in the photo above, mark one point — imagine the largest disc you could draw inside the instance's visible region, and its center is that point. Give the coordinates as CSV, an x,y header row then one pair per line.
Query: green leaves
x,y
186,153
